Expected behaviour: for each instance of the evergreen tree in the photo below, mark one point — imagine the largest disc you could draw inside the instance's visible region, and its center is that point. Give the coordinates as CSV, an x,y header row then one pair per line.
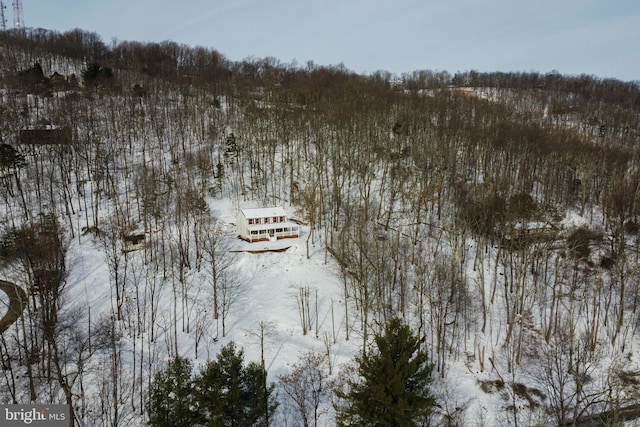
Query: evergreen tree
x,y
230,394
10,158
393,388
232,146
95,74
171,400
94,71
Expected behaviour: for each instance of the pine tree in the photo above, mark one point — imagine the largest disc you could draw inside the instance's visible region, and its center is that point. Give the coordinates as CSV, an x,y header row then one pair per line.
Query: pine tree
x,y
230,394
171,401
393,388
10,158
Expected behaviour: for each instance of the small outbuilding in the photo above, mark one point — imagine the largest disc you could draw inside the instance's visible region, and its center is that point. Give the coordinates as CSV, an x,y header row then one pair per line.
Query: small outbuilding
x,y
266,224
133,242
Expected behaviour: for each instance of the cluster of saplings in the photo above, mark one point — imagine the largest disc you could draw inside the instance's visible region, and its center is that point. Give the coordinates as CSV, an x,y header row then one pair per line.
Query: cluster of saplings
x,y
391,388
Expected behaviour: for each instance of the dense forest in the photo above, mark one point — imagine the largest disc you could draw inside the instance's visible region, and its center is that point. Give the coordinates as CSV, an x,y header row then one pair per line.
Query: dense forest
x,y
496,214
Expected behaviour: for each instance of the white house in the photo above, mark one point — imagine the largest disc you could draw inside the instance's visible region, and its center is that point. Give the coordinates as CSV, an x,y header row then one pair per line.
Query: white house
x,y
256,225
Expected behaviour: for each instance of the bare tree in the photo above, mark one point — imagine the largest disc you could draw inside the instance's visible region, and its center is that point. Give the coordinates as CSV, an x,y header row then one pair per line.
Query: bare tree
x,y
224,285
307,386
565,370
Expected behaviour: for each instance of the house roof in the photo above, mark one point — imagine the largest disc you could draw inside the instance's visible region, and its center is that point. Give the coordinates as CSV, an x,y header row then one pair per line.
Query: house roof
x,y
263,212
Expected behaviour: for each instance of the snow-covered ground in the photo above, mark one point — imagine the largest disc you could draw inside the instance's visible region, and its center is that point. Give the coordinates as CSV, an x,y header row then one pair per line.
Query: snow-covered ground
x,y
266,306
288,297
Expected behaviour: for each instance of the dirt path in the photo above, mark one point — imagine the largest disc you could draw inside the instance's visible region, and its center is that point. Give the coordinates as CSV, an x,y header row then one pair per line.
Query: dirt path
x,y
17,302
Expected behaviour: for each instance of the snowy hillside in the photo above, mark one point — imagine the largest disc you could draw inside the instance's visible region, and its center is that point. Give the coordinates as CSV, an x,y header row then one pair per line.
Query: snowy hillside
x,y
495,214
267,300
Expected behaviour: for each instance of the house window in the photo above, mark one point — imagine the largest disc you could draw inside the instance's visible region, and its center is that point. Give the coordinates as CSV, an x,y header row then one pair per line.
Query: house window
x,y
250,221
281,219
254,232
278,230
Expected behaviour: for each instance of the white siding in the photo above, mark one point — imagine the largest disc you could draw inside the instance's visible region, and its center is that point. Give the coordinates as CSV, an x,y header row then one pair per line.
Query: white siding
x,y
265,224
241,219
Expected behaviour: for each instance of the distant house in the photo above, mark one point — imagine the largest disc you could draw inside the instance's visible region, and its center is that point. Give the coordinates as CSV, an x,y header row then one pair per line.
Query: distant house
x,y
45,136
521,234
266,224
58,82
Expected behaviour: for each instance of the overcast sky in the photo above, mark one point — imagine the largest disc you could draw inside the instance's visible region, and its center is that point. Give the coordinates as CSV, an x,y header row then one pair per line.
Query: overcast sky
x,y
598,37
